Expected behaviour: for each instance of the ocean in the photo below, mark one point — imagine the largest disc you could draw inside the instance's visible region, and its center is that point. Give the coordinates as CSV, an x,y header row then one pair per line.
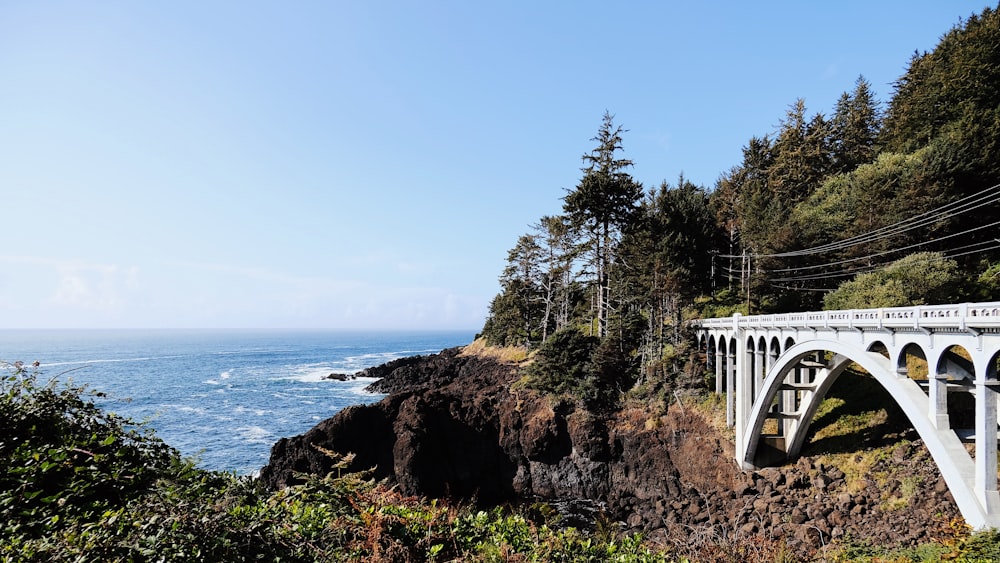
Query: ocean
x,y
222,397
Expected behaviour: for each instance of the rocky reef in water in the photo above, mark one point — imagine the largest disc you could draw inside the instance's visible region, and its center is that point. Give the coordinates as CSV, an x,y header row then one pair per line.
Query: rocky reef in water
x,y
456,426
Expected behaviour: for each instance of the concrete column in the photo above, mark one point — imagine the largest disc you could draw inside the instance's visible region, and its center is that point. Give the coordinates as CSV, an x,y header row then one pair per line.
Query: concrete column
x,y
731,386
758,373
744,388
986,441
788,404
937,391
719,383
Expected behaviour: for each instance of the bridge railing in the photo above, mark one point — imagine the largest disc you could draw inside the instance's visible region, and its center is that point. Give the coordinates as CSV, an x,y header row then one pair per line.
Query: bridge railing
x,y
963,316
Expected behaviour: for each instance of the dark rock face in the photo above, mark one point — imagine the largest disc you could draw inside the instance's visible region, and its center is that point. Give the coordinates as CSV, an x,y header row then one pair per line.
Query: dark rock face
x,y
457,426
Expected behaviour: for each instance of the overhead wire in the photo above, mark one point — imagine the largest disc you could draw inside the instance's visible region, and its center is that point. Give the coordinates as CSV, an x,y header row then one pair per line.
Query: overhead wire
x,y
950,253
979,199
947,211
964,205
883,253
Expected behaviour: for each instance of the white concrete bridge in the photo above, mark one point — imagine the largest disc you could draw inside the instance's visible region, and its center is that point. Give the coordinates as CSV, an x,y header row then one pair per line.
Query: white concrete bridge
x,y
782,366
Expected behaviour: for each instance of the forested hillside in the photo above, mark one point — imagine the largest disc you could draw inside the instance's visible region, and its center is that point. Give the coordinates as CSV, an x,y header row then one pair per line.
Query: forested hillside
x,y
875,203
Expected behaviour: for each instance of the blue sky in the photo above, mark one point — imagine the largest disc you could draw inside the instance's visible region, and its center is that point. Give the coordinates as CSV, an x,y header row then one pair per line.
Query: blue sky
x,y
368,164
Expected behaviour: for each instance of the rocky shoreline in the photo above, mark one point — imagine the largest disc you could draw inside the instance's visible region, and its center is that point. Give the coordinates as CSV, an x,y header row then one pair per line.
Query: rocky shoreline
x,y
459,427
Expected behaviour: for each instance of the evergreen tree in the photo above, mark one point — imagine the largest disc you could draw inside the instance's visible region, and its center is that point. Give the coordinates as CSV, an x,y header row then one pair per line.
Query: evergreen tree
x,y
759,213
559,253
669,258
802,156
603,203
855,126
961,77
514,314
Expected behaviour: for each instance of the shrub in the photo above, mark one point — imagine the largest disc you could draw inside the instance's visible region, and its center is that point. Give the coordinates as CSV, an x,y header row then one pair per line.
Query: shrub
x,y
924,278
562,364
64,458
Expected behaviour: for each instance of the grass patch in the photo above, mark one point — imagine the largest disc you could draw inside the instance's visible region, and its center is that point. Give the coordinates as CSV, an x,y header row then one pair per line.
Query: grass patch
x,y
712,408
856,413
908,487
503,354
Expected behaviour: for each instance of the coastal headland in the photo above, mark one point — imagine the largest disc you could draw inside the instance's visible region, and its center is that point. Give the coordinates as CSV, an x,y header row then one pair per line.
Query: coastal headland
x,y
459,426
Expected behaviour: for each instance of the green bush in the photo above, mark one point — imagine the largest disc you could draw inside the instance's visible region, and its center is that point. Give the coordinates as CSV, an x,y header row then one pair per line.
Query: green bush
x,y
563,363
924,278
64,458
80,484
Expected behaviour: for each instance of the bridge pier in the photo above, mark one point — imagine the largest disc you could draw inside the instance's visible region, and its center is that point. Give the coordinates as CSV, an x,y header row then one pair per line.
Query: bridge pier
x,y
937,390
731,386
986,442
782,366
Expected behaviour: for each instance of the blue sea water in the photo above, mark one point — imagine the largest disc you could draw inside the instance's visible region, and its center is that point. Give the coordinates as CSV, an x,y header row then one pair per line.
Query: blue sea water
x,y
222,397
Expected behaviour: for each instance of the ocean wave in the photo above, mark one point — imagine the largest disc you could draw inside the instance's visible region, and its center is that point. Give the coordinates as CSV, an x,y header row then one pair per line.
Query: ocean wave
x,y
358,387
374,359
109,361
254,435
226,394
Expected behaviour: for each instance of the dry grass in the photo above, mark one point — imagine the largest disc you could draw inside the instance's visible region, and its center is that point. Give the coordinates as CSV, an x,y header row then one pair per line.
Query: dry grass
x,y
858,467
503,354
712,408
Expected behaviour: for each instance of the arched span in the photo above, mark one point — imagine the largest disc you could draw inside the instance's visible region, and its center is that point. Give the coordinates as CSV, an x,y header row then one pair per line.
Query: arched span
x,y
952,460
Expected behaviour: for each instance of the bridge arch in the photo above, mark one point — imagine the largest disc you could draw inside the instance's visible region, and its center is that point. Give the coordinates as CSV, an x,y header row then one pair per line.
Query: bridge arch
x,y
957,468
879,347
955,347
912,361
775,350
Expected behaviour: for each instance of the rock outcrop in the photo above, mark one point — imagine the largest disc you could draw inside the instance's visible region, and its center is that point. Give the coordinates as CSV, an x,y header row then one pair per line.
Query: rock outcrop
x,y
460,427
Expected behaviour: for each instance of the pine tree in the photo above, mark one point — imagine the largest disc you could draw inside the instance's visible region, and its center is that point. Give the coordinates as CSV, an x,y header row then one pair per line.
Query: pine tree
x,y
514,313
604,202
554,236
856,125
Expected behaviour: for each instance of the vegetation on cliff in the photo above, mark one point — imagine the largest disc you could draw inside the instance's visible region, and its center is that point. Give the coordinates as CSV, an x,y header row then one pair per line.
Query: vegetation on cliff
x,y
82,484
876,204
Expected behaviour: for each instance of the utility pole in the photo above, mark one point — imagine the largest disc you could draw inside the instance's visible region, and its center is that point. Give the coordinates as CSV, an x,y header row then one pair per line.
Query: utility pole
x,y
747,259
714,254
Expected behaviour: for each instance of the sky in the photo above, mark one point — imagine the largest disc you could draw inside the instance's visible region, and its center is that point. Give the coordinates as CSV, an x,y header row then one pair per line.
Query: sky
x,y
367,165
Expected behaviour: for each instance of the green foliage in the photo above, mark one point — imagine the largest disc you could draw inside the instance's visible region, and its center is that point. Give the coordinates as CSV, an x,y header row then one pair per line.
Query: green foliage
x,y
562,363
924,278
961,547
989,283
856,124
960,77
722,303
63,458
604,204
80,484
866,199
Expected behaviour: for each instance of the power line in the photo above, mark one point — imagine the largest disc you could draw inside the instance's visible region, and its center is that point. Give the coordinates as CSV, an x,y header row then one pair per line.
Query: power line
x,y
870,268
947,211
883,253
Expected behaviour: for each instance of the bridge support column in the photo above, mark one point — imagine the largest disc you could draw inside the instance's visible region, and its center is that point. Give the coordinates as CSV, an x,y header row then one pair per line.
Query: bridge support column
x,y
787,403
744,397
719,380
937,391
731,386
986,443
759,370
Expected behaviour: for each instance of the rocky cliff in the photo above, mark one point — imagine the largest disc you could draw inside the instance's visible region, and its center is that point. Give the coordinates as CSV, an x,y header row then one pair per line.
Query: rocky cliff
x,y
458,426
